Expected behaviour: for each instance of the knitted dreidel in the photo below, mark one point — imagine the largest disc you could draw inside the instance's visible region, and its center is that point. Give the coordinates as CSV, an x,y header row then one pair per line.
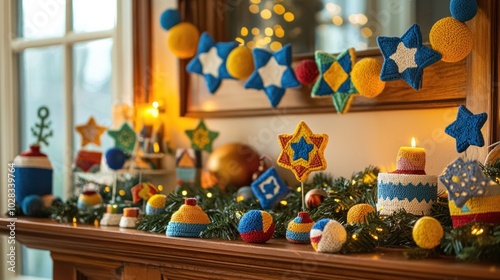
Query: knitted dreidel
x,y
298,230
256,226
188,221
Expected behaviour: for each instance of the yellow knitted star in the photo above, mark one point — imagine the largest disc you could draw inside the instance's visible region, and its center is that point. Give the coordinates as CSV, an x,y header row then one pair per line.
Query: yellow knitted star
x,y
91,132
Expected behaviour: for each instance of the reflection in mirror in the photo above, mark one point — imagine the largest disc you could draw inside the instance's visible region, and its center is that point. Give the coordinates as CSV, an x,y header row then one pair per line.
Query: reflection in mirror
x,y
328,25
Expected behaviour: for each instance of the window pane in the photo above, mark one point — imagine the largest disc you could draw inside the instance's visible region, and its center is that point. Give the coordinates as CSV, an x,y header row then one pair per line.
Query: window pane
x,y
93,15
92,87
41,19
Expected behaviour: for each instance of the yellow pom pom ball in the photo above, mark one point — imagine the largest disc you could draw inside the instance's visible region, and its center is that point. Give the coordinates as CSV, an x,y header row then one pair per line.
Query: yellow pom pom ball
x,y
365,77
183,40
359,212
427,232
240,62
452,39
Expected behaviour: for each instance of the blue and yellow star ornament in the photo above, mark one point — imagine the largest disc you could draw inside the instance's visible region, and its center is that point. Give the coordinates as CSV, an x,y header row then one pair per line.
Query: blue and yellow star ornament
x,y
210,61
335,78
466,129
273,73
125,138
269,188
302,152
201,137
405,58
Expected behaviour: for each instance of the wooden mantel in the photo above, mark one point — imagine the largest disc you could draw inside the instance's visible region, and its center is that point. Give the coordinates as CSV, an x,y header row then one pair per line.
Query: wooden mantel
x,y
87,252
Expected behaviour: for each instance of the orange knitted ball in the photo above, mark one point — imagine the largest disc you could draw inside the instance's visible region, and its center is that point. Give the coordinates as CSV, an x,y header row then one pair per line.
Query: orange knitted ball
x,y
240,62
452,38
183,40
365,77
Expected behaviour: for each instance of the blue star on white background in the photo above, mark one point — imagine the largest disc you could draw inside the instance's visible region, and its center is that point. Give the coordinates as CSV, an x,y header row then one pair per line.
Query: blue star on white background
x,y
273,73
466,129
405,58
210,61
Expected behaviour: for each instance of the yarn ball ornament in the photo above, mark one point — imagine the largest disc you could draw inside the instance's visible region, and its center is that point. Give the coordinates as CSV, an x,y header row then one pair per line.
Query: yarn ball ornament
x,y
256,226
239,63
115,158
453,39
298,229
307,71
169,18
328,236
188,221
315,197
359,212
156,204
244,194
88,199
33,206
427,232
365,77
463,10
183,40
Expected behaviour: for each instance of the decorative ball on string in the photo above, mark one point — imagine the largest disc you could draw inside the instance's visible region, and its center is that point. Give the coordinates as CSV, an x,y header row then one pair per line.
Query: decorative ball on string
x,y
453,39
256,226
463,10
328,236
307,71
156,204
244,194
365,77
359,212
33,206
299,229
115,158
183,37
240,63
88,199
315,197
427,232
169,18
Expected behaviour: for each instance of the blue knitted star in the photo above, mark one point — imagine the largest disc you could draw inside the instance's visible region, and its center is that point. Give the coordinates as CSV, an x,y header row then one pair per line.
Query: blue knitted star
x,y
466,129
269,188
210,61
301,149
405,58
273,73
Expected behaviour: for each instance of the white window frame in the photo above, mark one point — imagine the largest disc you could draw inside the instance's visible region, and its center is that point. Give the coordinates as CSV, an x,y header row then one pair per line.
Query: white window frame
x,y
10,47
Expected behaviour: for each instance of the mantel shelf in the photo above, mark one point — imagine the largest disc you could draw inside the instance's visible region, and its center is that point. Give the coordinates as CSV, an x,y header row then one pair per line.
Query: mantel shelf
x,y
188,258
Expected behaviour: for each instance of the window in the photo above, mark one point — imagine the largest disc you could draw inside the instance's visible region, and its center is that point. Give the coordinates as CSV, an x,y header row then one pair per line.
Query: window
x,y
72,56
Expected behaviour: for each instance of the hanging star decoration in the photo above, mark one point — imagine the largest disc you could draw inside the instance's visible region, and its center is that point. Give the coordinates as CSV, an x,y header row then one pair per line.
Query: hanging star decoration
x,y
302,152
269,188
335,78
125,138
464,180
273,73
91,132
210,61
466,129
405,58
201,137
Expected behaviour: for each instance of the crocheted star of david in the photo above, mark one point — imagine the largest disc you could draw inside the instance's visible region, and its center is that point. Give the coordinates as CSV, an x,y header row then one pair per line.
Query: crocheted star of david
x,y
269,188
91,132
201,137
405,58
125,138
466,129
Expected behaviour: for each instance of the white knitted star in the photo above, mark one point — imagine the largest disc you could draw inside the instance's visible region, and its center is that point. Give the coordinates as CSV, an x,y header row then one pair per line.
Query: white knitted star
x,y
404,57
272,73
211,62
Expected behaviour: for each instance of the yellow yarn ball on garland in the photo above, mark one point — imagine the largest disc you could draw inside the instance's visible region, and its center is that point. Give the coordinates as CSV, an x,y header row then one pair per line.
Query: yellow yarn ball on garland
x,y
240,63
452,39
365,77
358,213
427,232
183,40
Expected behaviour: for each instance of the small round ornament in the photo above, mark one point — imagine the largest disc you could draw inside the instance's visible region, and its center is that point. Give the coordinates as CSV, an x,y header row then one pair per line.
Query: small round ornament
x,y
328,236
115,158
33,206
188,221
358,213
183,40
170,18
452,39
298,229
365,77
88,199
463,10
307,71
427,232
256,226
156,204
315,197
240,63
244,194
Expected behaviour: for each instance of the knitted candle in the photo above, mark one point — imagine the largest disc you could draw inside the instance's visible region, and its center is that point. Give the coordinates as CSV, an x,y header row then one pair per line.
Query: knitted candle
x,y
410,160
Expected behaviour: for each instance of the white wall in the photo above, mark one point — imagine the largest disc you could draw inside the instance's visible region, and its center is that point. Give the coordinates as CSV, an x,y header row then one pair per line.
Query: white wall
x,y
356,139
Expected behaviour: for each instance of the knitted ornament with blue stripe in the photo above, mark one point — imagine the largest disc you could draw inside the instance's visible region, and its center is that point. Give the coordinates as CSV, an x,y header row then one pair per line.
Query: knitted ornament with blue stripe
x,y
156,204
256,226
188,221
328,236
298,230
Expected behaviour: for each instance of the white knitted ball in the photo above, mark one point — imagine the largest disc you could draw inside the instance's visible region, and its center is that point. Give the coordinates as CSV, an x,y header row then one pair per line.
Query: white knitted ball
x,y
328,236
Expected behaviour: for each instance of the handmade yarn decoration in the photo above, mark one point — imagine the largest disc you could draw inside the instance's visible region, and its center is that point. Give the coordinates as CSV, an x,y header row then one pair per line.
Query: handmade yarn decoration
x,y
256,226
427,232
328,236
115,158
90,132
452,38
188,221
143,191
88,199
273,73
405,58
156,204
201,137
113,215
358,213
129,218
365,77
244,194
88,161
269,188
307,71
210,61
125,138
33,206
183,36
466,129
299,229
240,63
463,10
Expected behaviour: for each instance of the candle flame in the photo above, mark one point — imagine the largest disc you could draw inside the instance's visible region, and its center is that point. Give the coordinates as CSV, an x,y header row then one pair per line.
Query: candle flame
x,y
413,144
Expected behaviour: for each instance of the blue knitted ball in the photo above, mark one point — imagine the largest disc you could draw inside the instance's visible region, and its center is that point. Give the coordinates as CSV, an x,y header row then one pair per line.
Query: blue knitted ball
x,y
463,10
32,205
115,158
169,18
